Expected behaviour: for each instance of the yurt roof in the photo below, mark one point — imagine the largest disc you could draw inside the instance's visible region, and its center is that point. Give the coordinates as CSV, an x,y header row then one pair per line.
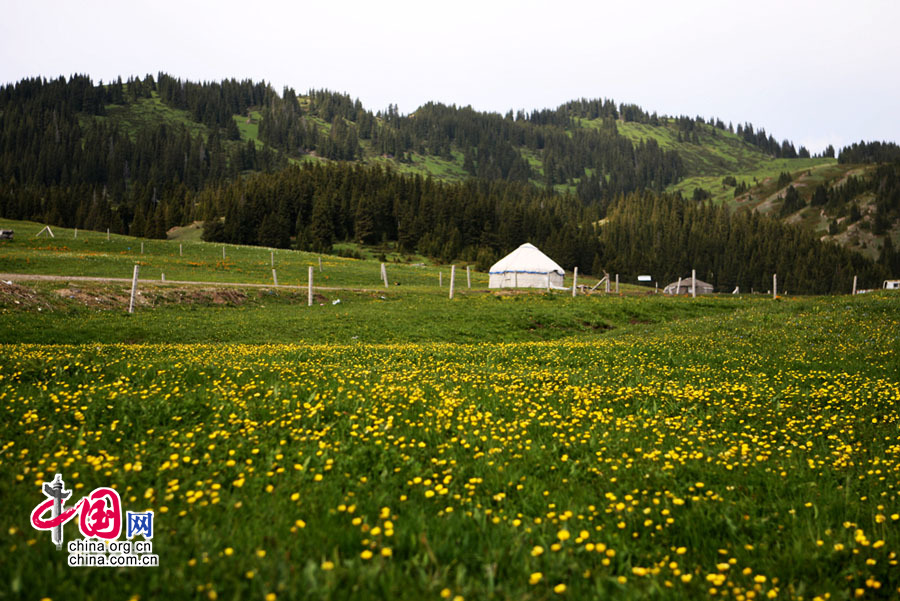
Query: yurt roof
x,y
526,259
686,283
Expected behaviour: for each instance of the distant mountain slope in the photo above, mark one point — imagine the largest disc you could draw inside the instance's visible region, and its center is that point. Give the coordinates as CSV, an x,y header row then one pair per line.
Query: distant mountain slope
x,y
128,145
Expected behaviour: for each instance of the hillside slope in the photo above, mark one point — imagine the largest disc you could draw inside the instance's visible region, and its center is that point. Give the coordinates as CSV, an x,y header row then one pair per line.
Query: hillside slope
x,y
127,145
711,157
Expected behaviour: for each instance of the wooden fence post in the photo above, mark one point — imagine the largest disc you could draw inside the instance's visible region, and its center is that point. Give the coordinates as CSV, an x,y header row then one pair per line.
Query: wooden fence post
x,y
574,281
275,277
774,285
468,277
310,291
693,283
854,286
134,279
452,279
617,283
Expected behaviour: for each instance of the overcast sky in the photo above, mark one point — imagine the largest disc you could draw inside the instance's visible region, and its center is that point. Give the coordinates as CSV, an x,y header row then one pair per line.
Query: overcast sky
x,y
814,72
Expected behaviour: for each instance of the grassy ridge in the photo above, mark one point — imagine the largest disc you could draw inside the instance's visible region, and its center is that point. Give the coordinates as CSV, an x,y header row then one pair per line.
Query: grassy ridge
x,y
280,316
152,112
91,254
717,154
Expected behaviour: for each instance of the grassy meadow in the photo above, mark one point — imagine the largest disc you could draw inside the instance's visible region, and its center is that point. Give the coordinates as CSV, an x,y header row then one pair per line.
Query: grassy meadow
x,y
91,254
500,446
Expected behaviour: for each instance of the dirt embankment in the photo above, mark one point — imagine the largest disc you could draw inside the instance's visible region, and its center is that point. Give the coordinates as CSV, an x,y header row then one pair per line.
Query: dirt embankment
x,y
16,296
62,296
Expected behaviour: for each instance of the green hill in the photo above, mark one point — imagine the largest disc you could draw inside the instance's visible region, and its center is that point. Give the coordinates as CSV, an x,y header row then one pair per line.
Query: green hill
x,y
133,156
708,158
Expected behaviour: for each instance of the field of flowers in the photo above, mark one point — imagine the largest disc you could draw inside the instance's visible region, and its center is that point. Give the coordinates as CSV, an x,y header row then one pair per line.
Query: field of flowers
x,y
746,456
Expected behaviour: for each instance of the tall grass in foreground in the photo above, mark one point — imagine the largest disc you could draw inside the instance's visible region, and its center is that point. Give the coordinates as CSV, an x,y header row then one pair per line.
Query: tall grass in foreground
x,y
743,456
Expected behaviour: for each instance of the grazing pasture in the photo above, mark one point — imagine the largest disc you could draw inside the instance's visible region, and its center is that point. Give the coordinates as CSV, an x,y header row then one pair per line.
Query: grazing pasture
x,y
743,449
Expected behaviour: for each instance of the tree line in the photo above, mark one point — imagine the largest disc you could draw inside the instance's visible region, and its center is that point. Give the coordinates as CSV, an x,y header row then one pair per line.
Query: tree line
x,y
667,237
479,221
870,152
60,165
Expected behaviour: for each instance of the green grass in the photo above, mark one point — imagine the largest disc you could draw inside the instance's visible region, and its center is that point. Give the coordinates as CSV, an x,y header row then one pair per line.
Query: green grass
x,y
422,164
719,153
91,254
173,314
249,126
187,233
751,449
151,112
762,180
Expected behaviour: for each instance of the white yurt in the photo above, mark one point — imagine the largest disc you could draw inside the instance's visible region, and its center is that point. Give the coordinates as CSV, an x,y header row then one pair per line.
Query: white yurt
x,y
526,267
683,286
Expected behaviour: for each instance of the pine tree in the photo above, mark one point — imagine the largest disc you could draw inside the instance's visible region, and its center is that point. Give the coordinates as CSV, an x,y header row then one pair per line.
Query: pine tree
x,y
792,202
320,233
231,130
889,258
274,231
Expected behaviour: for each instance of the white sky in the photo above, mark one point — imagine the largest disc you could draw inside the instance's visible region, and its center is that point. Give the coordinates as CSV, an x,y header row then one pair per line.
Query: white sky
x,y
815,72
